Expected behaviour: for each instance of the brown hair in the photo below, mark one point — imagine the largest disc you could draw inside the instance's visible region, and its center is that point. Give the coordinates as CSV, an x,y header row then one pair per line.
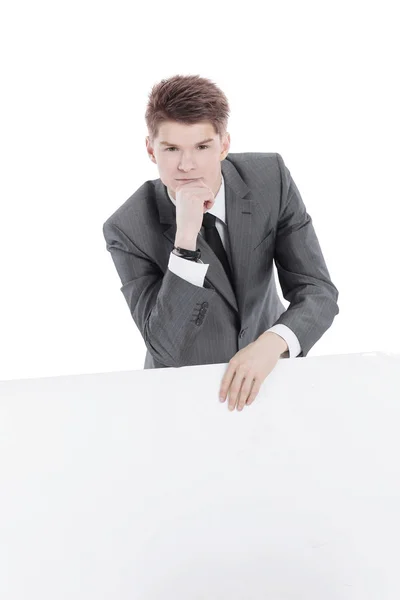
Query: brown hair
x,y
186,99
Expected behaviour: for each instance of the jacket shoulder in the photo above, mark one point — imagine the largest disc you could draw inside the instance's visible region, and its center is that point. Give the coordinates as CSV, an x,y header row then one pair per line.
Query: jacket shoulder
x,y
251,157
258,168
134,206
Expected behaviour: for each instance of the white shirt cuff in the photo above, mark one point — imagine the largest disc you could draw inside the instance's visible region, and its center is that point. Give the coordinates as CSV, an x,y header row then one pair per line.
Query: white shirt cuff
x,y
290,338
193,272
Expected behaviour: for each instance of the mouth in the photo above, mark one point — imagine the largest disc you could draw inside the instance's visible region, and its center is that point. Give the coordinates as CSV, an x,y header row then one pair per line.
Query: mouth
x,y
189,179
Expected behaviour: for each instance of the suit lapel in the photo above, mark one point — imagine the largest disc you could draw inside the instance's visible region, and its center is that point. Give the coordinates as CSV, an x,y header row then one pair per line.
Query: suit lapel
x,y
240,229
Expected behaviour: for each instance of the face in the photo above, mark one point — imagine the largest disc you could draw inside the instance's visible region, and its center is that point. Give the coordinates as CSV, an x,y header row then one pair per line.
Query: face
x,y
184,157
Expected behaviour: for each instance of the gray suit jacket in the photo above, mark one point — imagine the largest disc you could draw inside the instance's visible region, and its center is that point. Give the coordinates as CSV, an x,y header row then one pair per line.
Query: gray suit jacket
x,y
183,324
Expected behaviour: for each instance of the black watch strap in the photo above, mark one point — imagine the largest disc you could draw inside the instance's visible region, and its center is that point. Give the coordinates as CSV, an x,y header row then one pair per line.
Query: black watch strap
x,y
188,254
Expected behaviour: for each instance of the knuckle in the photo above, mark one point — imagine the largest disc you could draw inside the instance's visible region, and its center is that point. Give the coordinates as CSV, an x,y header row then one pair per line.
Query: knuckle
x,y
243,367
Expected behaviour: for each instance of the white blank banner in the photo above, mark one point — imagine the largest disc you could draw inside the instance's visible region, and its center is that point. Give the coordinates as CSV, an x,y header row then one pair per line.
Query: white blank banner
x,y
142,485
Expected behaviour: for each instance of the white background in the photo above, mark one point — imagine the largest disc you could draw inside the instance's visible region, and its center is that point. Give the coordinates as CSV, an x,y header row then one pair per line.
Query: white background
x,y
316,82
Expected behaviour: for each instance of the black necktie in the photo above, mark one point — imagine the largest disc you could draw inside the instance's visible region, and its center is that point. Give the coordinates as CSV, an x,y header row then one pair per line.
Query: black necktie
x,y
213,239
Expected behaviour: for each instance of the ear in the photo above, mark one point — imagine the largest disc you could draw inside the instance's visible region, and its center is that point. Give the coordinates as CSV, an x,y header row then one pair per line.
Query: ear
x,y
225,146
150,149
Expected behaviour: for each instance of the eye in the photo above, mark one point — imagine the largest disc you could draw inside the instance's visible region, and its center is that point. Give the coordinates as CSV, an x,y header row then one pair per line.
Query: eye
x,y
173,147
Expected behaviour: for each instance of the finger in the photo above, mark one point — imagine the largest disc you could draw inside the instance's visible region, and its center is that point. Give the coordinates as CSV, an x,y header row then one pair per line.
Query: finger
x,y
254,392
234,391
226,382
245,391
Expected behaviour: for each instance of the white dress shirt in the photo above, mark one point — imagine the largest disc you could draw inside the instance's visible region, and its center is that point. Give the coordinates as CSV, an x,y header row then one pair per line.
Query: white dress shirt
x,y
195,272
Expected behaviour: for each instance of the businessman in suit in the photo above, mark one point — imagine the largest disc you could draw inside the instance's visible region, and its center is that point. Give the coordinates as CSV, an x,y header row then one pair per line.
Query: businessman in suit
x,y
194,250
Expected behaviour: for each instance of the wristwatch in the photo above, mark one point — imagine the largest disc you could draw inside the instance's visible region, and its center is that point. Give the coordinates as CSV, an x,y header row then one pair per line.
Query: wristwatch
x,y
193,255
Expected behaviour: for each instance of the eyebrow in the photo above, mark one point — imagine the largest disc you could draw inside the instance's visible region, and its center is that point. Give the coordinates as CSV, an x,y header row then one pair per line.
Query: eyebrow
x,y
177,146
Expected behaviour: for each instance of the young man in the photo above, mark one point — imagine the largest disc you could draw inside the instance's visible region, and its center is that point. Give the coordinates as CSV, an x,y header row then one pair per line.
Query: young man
x,y
194,249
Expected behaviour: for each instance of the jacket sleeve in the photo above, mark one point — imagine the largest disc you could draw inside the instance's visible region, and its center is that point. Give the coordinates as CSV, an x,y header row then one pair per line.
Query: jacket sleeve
x,y
301,268
161,304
